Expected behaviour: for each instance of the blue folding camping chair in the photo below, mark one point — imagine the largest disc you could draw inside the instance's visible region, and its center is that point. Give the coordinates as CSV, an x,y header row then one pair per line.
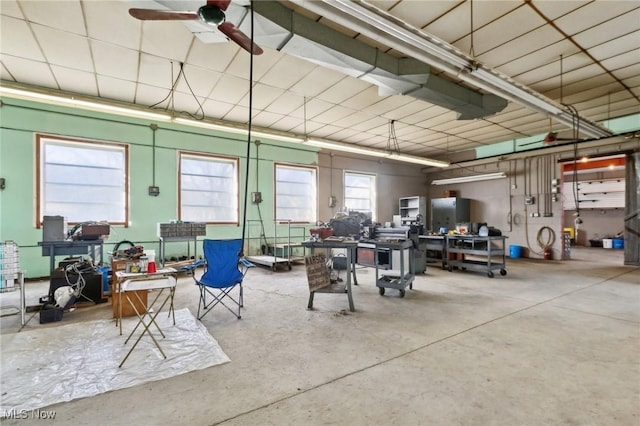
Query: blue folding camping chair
x,y
224,270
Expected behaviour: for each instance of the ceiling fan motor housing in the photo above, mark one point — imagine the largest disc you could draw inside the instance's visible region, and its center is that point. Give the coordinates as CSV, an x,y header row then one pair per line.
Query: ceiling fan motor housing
x,y
212,15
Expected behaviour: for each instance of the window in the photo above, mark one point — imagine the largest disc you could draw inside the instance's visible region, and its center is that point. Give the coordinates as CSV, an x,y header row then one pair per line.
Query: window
x,y
296,193
208,188
360,192
81,180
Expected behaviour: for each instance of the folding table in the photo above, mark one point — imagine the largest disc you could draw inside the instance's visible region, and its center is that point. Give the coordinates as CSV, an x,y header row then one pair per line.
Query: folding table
x,y
164,284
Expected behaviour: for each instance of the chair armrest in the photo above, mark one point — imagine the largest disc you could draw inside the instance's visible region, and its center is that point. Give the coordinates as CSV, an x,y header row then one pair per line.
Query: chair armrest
x,y
246,263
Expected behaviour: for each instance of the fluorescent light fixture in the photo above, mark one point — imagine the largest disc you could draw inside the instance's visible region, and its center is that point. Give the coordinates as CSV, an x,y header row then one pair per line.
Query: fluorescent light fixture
x,y
78,103
385,28
472,178
346,148
417,160
237,130
338,146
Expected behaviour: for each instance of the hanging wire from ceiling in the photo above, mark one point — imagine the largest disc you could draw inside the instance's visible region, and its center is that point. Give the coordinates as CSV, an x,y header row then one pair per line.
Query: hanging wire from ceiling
x,y
199,113
392,140
249,128
471,51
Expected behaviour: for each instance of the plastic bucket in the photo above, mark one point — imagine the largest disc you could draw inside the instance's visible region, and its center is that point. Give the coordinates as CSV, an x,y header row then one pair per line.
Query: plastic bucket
x,y
104,270
515,252
618,243
607,243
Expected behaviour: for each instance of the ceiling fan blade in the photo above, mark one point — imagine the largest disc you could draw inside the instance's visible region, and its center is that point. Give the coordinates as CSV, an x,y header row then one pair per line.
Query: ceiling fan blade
x,y
228,29
161,15
222,4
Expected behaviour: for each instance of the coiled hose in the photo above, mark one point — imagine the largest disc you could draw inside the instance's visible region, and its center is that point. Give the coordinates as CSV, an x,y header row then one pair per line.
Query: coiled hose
x,y
551,238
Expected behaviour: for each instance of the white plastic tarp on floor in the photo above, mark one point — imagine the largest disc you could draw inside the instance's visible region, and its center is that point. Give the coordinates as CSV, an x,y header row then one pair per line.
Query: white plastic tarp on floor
x,y
57,364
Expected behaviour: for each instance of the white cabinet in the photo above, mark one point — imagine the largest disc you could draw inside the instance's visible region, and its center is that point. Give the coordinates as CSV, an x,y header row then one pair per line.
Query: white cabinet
x,y
412,210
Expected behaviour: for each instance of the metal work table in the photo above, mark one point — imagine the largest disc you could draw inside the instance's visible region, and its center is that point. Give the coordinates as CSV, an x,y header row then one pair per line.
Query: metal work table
x,y
339,287
489,248
68,248
396,278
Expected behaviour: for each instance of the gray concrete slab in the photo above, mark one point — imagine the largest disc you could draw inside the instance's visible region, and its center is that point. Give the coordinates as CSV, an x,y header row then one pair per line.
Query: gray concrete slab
x,y
554,342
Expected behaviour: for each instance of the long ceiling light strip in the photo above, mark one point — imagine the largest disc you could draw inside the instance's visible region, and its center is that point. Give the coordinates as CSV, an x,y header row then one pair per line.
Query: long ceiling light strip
x,y
373,22
237,130
372,152
133,112
79,103
472,178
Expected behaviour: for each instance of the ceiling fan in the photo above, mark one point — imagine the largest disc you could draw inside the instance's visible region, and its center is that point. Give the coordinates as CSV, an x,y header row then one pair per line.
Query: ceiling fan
x,y
211,13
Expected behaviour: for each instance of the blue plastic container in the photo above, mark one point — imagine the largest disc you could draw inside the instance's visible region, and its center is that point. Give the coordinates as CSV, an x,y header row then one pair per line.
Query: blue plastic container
x,y
515,252
105,277
618,243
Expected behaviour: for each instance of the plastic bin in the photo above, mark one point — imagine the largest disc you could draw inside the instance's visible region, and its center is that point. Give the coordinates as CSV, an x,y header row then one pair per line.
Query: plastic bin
x,y
515,252
618,243
607,243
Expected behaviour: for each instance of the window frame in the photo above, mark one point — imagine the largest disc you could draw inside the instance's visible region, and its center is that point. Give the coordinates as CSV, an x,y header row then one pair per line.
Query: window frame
x,y
41,139
314,169
374,200
212,157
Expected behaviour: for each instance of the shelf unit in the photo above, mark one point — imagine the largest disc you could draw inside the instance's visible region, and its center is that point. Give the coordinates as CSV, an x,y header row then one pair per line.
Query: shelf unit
x,y
411,208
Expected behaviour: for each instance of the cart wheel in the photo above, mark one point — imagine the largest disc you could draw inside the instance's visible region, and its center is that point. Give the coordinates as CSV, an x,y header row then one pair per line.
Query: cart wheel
x,y
289,266
381,291
274,268
411,286
401,293
450,268
490,274
503,272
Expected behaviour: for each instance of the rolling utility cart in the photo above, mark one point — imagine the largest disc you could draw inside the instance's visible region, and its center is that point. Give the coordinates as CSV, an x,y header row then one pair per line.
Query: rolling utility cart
x,y
394,265
490,249
280,253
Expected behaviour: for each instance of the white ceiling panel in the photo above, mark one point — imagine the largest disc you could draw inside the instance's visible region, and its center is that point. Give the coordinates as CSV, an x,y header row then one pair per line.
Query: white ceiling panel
x,y
75,81
64,48
157,71
618,46
216,109
110,21
27,71
11,8
16,29
266,119
215,59
263,96
198,80
287,72
115,61
593,15
617,27
166,39
115,88
230,89
317,81
62,15
288,104
237,114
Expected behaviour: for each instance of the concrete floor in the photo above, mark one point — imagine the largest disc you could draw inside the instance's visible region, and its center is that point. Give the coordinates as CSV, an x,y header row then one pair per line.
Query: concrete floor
x,y
553,342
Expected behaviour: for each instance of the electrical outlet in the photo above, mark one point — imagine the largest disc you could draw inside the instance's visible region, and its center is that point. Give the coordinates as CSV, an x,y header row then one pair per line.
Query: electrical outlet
x,y
548,214
514,186
555,190
332,201
154,191
256,197
529,200
535,214
555,182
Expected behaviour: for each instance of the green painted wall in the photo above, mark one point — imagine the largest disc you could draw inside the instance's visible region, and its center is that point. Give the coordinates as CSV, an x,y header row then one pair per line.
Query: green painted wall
x,y
20,121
